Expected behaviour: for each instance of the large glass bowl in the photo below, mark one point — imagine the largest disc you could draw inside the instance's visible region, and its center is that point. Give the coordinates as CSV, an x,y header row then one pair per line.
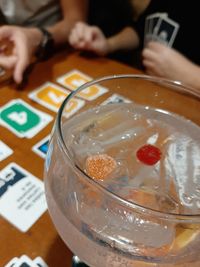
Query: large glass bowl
x,y
122,174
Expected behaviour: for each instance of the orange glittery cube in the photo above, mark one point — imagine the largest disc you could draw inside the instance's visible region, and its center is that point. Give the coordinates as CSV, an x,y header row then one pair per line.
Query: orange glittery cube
x,y
100,166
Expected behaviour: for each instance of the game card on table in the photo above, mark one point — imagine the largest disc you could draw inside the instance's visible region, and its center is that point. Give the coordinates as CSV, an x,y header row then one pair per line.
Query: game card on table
x,y
22,119
76,78
41,147
51,96
22,198
5,151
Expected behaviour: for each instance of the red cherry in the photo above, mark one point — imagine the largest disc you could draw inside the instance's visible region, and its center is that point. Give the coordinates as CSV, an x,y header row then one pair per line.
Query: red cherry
x,y
149,154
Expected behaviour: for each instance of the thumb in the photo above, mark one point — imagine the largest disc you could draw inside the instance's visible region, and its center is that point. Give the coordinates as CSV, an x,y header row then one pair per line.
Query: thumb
x,y
20,67
8,62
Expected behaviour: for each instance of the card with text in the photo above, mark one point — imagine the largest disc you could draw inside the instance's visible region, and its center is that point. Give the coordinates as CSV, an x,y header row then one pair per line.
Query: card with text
x,y
22,119
41,147
40,262
51,96
75,79
25,261
22,198
5,151
12,262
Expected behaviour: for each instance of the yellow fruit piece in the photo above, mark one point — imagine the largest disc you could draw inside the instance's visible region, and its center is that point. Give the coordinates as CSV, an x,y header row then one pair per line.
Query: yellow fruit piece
x,y
184,237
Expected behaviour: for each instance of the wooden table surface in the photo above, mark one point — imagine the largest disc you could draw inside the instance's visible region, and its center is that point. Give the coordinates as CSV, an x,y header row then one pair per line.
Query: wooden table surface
x,y
42,239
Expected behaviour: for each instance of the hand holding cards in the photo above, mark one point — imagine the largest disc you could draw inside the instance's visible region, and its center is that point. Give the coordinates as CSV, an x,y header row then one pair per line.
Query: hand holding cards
x,y
159,27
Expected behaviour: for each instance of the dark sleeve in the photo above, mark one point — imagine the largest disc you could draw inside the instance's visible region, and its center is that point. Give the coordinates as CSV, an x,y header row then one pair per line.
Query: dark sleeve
x,y
110,15
139,24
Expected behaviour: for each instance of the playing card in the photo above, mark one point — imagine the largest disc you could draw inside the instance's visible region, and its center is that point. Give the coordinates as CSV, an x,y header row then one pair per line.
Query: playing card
x,y
12,262
166,31
40,262
116,98
41,147
25,261
5,151
75,79
22,198
22,119
51,96
151,25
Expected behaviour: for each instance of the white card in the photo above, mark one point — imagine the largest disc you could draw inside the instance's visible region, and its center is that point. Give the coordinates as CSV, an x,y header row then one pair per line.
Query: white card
x,y
40,262
116,98
5,151
41,147
22,198
22,119
166,31
25,261
12,262
75,78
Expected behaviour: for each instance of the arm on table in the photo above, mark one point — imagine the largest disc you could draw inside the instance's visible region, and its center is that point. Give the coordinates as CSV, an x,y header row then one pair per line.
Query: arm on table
x,y
73,11
25,41
91,38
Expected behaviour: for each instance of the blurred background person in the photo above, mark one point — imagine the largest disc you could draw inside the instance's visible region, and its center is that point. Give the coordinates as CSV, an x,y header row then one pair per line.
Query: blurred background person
x,y
105,20
35,28
179,62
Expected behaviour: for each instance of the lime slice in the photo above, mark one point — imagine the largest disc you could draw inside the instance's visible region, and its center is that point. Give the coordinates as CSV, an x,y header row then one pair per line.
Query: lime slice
x,y
184,237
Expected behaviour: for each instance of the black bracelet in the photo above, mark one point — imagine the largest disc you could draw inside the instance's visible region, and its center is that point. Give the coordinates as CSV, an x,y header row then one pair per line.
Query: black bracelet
x,y
46,46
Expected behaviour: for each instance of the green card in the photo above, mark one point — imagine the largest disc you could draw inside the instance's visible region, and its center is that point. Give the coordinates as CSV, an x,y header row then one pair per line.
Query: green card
x,y
22,119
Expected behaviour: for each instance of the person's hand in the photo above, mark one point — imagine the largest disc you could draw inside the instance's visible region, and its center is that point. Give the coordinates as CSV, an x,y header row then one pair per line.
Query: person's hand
x,y
90,38
24,42
163,61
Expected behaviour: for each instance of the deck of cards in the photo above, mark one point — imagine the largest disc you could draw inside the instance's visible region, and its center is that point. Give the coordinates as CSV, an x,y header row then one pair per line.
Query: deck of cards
x,y
159,27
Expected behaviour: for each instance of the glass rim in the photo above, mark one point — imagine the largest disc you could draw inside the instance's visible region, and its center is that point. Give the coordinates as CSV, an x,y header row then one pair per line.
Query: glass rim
x,y
178,86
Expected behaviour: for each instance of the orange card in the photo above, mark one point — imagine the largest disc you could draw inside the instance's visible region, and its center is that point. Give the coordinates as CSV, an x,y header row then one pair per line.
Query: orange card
x,y
51,96
75,79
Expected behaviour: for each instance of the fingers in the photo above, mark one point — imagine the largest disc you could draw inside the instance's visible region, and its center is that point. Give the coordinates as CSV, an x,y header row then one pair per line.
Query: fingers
x,y
82,36
22,62
6,32
19,57
76,36
148,55
150,59
156,46
8,62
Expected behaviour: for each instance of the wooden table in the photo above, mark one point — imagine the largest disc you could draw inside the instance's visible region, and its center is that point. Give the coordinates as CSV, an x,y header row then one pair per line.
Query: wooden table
x,y
42,239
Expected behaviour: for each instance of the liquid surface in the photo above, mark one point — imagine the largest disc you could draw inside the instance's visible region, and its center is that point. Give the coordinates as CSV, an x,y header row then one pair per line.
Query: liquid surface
x,y
145,156
157,154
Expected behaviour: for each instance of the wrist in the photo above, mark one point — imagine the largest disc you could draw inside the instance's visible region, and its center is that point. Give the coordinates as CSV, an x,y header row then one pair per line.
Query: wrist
x,y
111,45
46,45
36,37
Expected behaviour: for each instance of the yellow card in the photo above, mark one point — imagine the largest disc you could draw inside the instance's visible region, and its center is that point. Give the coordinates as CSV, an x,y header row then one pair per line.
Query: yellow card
x,y
75,79
51,96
